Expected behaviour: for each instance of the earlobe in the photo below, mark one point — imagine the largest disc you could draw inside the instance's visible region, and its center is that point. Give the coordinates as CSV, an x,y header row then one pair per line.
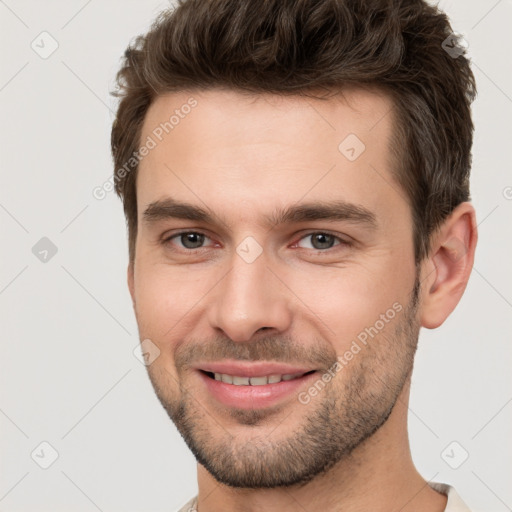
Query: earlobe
x,y
446,271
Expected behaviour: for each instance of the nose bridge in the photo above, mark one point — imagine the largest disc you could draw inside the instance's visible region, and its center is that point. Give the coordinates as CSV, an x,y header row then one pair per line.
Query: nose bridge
x,y
248,298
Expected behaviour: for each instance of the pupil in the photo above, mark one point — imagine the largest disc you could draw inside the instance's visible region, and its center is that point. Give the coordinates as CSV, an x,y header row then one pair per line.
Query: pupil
x,y
192,240
321,238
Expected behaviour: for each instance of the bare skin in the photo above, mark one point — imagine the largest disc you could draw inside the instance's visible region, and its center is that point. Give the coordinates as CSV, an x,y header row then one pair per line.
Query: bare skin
x,y
243,158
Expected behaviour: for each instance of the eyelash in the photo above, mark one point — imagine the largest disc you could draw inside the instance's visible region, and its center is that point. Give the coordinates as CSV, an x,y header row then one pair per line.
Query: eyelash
x,y
341,242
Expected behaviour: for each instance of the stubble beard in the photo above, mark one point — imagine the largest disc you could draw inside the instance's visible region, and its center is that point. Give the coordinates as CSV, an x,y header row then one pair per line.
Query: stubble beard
x,y
348,411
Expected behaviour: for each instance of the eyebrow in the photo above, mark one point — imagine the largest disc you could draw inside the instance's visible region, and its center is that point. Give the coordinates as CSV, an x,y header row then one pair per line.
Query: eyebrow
x,y
337,210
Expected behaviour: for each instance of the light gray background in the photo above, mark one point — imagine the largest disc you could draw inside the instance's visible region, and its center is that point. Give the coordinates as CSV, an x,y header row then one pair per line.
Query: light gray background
x,y
68,373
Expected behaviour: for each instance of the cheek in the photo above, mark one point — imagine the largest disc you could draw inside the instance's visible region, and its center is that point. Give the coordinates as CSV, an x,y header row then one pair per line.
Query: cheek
x,y
343,303
165,301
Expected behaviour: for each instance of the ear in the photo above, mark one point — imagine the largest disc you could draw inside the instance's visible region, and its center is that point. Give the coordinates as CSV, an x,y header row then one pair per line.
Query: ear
x,y
445,272
130,279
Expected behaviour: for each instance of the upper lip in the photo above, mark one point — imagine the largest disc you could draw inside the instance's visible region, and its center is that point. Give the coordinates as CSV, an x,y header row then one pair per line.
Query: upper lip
x,y
252,369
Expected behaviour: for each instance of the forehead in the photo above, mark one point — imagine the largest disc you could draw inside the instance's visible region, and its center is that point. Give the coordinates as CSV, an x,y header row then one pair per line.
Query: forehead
x,y
217,144
241,116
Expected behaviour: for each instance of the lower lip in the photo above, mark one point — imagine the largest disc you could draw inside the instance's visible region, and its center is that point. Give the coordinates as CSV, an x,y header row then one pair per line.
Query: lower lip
x,y
254,397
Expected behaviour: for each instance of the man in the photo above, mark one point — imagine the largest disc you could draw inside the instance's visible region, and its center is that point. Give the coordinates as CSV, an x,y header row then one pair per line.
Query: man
x,y
295,182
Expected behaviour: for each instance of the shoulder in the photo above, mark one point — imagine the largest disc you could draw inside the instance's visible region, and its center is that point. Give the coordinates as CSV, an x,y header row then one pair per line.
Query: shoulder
x,y
189,506
454,503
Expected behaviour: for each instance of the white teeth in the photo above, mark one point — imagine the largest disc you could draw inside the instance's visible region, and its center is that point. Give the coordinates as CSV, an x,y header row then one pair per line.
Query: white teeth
x,y
228,379
254,381
241,381
258,381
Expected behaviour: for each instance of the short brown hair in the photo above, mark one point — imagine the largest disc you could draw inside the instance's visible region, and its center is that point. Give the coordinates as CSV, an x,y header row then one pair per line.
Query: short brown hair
x,y
296,47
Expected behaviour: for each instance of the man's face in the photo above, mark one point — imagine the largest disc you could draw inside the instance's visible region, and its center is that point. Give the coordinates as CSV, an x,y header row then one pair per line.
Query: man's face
x,y
246,291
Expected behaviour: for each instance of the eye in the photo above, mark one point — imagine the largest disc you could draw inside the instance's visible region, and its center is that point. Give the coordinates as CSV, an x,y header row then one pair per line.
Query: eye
x,y
321,241
195,240
188,239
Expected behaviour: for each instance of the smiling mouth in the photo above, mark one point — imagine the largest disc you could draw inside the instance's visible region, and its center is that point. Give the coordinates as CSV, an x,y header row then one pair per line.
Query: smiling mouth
x,y
254,381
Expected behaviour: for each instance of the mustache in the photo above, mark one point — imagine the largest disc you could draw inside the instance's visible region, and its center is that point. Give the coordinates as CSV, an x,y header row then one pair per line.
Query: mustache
x,y
281,349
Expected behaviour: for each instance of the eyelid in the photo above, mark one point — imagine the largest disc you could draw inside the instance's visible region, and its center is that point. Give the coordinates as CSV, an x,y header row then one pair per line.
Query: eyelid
x,y
166,237
343,241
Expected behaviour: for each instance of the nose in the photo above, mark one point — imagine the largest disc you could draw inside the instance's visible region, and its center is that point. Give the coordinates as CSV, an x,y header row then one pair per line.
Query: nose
x,y
250,298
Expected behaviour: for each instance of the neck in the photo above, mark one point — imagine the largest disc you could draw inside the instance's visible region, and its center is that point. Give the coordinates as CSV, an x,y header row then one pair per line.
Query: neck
x,y
379,475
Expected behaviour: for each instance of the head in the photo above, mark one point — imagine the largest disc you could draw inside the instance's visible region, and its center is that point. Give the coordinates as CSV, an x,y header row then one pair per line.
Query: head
x,y
295,179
